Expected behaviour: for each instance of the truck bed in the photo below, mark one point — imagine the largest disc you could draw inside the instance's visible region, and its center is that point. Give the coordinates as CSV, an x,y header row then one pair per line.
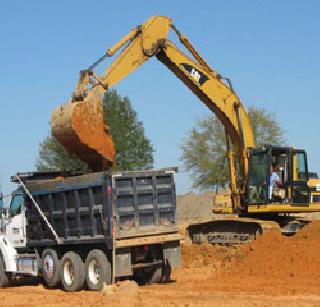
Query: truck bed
x,y
102,207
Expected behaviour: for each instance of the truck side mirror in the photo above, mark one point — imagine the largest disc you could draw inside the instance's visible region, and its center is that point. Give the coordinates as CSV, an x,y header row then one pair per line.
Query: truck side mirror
x,y
1,205
1,200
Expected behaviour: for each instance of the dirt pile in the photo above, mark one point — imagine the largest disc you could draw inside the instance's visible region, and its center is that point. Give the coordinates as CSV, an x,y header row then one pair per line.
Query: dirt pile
x,y
273,270
193,206
204,261
275,264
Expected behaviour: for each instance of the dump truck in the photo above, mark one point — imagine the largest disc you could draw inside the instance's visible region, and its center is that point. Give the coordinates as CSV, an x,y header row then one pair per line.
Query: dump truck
x,y
83,230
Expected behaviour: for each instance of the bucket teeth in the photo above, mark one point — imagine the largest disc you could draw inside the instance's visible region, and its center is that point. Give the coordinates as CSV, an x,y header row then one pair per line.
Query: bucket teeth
x,y
80,128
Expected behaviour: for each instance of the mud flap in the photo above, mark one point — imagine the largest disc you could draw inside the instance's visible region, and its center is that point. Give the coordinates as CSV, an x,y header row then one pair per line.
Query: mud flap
x,y
171,253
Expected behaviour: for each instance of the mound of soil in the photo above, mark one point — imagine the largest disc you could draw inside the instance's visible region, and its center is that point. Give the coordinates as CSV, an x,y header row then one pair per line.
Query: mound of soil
x,y
200,262
271,271
274,264
193,206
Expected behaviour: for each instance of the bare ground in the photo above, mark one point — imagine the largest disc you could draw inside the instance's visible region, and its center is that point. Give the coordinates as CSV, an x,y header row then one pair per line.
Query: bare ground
x,y
271,271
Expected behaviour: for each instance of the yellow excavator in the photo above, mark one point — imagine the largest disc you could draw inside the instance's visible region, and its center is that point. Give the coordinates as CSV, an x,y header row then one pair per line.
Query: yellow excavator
x,y
79,125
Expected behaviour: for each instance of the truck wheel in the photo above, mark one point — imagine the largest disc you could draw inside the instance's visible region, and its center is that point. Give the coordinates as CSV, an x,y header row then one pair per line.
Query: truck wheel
x,y
4,281
72,272
148,276
155,276
51,267
98,270
160,274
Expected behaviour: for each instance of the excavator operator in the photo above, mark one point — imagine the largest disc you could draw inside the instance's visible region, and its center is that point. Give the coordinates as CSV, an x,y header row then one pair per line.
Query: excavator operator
x,y
275,181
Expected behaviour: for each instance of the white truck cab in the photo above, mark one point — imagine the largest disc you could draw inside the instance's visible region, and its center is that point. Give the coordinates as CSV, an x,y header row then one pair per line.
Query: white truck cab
x,y
14,259
15,229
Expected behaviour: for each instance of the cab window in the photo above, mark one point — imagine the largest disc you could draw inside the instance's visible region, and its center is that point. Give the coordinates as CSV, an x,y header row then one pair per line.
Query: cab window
x,y
300,169
16,204
258,166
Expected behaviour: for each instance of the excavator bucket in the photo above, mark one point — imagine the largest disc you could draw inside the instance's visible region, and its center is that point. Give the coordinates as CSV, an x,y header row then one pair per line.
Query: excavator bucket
x,y
79,126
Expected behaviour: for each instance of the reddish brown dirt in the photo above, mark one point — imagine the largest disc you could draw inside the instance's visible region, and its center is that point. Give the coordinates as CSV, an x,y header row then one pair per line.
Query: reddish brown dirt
x,y
80,128
273,270
275,264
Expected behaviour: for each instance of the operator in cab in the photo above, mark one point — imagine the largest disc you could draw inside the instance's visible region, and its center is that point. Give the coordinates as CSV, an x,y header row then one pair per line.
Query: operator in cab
x,y
275,181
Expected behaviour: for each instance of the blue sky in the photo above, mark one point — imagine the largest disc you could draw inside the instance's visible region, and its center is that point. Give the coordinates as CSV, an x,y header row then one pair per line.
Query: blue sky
x,y
270,50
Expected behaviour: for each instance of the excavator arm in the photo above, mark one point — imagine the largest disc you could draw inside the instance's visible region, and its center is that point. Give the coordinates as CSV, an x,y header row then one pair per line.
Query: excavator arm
x,y
79,124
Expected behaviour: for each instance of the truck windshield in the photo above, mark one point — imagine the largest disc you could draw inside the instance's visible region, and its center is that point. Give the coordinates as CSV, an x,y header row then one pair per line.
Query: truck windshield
x,y
257,183
16,204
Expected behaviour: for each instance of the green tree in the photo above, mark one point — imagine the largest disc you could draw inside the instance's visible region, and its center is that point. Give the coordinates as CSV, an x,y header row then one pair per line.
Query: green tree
x,y
133,150
204,149
53,156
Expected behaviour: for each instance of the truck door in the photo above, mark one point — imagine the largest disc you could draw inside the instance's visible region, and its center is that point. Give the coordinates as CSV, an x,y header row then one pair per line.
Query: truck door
x,y
299,178
16,227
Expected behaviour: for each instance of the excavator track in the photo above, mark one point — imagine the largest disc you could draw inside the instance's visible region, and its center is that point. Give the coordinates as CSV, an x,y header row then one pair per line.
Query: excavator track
x,y
226,231
80,127
232,229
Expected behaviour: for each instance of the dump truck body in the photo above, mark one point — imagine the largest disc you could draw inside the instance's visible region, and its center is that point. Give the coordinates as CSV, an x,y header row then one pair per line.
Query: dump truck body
x,y
97,207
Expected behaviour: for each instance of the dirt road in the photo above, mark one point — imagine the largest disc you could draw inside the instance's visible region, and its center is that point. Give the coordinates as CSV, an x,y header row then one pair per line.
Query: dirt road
x,y
273,270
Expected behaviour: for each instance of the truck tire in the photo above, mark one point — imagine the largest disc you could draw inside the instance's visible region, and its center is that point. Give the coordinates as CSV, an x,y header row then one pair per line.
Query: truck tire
x,y
72,272
161,274
148,276
51,267
156,274
4,280
98,270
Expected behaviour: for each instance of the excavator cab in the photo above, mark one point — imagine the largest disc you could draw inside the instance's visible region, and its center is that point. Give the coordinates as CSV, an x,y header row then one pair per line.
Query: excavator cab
x,y
278,180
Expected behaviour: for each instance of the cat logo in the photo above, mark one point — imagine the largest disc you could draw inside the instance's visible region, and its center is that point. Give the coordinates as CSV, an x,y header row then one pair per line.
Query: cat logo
x,y
197,76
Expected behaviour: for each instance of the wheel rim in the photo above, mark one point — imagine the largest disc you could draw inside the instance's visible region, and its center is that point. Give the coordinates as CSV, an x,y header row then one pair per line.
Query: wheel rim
x,y
68,272
48,266
94,272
